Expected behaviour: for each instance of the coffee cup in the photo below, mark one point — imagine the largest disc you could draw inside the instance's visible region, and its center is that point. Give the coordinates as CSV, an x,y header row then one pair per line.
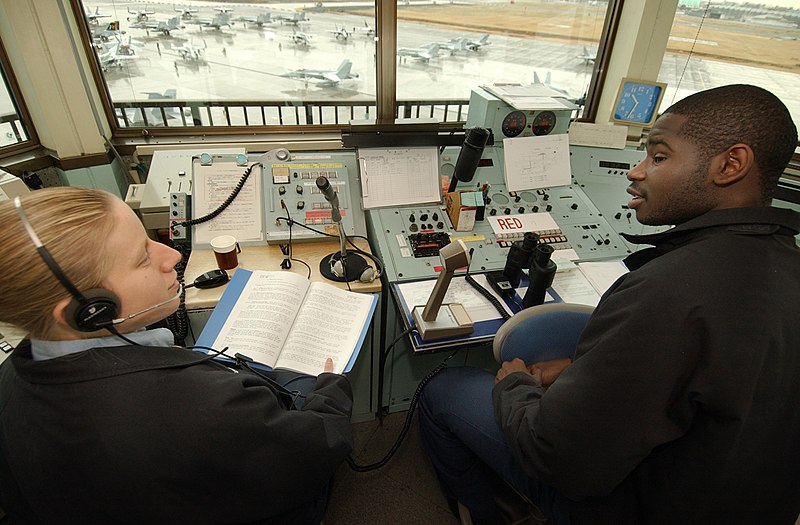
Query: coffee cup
x,y
225,251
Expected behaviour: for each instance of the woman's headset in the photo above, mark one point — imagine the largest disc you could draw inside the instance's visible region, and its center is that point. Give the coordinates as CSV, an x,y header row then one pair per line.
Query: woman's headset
x,y
89,311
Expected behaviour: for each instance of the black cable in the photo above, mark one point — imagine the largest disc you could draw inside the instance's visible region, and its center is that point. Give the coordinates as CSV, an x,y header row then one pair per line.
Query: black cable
x,y
239,185
286,249
484,292
178,321
406,425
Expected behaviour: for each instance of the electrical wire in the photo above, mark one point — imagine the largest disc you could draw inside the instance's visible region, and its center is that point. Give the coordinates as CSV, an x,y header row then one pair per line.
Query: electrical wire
x,y
486,293
409,416
239,185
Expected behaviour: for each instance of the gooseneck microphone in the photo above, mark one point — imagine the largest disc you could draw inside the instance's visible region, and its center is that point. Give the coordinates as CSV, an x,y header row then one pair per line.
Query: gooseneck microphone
x,y
474,141
327,190
149,308
342,266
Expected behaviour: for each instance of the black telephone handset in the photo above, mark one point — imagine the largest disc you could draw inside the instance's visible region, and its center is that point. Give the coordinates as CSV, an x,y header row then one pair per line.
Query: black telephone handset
x,y
210,279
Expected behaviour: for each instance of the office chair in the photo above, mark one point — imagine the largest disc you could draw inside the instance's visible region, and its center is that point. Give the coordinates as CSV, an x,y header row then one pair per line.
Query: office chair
x,y
542,332
539,333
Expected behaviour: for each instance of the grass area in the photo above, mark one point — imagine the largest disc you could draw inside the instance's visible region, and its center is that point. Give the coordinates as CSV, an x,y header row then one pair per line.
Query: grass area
x,y
724,40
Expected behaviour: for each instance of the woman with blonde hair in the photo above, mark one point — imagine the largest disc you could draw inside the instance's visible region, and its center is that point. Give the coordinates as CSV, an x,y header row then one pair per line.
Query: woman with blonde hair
x,y
103,421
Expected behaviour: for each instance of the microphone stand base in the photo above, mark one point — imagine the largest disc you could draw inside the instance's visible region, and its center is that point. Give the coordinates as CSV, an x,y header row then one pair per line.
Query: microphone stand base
x,y
451,320
354,266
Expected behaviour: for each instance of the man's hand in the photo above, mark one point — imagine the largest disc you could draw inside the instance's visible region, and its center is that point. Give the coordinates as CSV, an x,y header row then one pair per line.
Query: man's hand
x,y
328,366
516,365
550,370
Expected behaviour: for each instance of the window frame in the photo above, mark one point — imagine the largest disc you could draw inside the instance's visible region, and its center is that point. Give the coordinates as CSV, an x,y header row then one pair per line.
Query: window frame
x,y
22,111
387,105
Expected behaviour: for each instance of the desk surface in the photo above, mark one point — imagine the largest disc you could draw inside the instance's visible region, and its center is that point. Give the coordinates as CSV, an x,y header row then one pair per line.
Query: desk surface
x,y
268,258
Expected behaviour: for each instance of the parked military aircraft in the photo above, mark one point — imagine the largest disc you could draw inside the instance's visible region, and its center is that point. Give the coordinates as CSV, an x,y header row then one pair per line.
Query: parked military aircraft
x,y
299,38
476,45
424,53
557,91
453,45
190,52
187,13
260,20
216,22
109,32
294,18
94,18
341,33
114,54
324,77
155,116
224,10
587,57
140,16
173,24
167,94
367,29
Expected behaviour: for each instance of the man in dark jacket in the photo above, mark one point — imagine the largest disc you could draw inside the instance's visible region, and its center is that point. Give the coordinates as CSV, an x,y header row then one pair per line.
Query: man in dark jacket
x,y
682,403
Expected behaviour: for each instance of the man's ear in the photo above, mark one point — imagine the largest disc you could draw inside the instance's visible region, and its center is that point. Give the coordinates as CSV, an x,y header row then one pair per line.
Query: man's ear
x,y
733,165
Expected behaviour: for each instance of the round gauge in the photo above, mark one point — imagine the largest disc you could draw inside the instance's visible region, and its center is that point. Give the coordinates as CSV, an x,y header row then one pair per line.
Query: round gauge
x,y
543,123
499,198
447,169
514,124
528,196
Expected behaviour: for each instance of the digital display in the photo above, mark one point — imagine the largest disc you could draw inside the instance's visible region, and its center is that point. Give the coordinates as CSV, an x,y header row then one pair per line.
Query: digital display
x,y
485,162
615,165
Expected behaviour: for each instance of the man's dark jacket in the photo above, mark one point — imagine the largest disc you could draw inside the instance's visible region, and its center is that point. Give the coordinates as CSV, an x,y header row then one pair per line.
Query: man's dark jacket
x,y
142,435
683,401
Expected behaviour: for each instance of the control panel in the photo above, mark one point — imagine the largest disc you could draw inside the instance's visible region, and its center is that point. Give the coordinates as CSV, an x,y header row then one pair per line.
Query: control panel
x,y
290,192
409,237
502,109
602,173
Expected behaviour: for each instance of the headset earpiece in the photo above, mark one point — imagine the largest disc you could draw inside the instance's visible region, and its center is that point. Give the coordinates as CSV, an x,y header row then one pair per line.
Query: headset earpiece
x,y
359,267
97,310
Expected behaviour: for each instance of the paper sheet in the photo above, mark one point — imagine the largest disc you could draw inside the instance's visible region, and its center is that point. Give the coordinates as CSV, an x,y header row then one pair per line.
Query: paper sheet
x,y
399,176
537,162
243,218
459,291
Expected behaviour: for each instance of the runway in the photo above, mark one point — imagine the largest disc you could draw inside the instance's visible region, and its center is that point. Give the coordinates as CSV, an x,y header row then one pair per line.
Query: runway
x,y
245,62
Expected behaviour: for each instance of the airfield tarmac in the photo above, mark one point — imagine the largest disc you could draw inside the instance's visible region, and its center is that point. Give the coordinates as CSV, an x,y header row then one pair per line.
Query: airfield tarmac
x,y
244,62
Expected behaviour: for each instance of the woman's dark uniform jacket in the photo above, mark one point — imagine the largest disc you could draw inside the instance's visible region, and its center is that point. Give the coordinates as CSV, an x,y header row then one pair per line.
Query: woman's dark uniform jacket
x,y
141,435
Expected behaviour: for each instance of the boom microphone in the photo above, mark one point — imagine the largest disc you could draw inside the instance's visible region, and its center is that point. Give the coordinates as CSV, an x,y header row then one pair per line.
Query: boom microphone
x,y
330,196
149,308
471,151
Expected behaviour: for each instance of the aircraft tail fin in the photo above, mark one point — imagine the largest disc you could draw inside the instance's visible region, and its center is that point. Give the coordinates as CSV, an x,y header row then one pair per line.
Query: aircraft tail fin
x,y
343,71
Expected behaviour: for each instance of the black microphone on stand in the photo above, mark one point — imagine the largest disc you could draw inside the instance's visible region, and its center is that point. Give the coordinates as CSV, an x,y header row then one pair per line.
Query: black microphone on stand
x,y
344,265
474,141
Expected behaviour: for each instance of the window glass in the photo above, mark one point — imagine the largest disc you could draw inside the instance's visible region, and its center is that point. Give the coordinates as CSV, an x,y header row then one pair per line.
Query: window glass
x,y
713,44
253,64
448,48
12,129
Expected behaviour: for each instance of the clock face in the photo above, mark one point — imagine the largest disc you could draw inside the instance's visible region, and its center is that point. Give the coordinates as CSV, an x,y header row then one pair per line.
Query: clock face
x,y
638,102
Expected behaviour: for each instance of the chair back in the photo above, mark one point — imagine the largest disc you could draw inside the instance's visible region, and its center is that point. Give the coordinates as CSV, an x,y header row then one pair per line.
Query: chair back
x,y
542,332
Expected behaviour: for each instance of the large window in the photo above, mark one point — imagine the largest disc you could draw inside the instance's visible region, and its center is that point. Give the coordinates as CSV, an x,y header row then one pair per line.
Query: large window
x,y
233,64
15,134
448,48
717,43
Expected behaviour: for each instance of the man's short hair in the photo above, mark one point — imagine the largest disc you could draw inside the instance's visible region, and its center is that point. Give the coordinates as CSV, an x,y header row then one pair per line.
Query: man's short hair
x,y
720,117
